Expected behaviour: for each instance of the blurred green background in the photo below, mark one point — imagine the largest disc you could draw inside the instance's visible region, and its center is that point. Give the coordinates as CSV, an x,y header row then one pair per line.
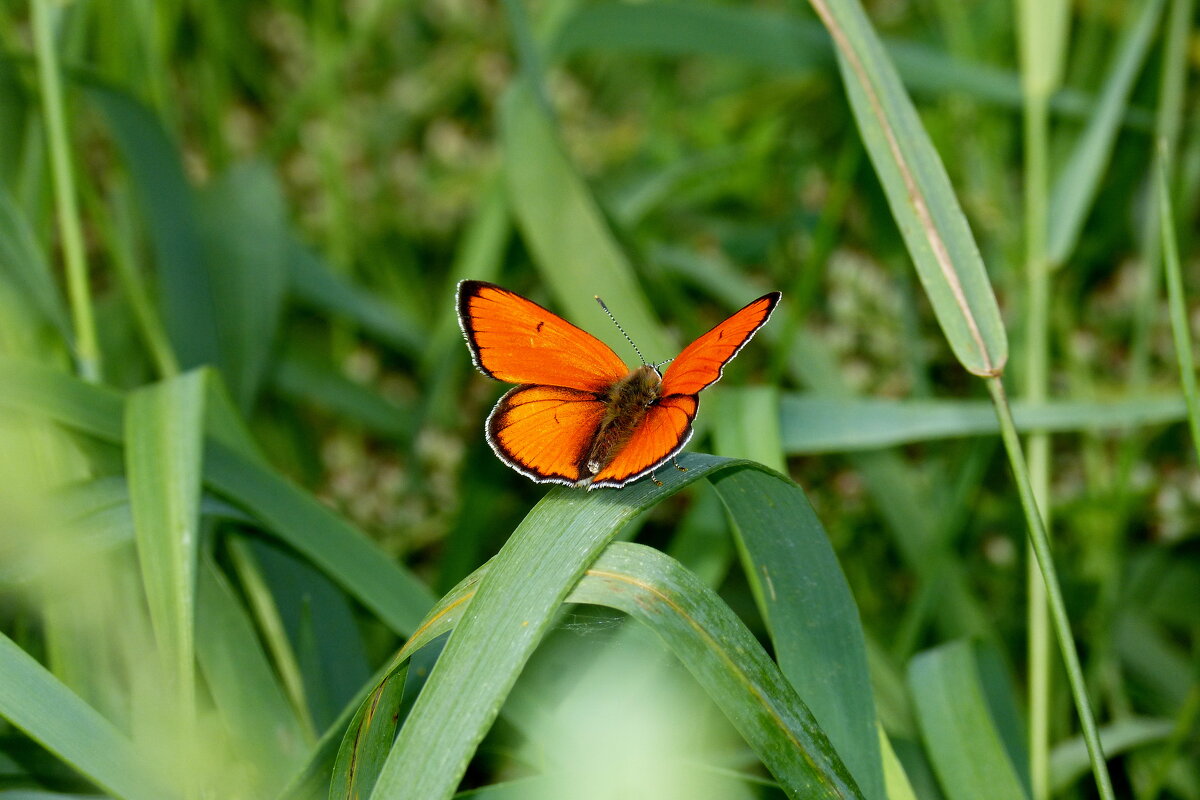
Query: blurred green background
x,y
290,190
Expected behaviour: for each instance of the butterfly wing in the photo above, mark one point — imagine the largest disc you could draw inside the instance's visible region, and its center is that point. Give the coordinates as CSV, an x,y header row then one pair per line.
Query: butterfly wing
x,y
544,432
662,433
701,362
517,341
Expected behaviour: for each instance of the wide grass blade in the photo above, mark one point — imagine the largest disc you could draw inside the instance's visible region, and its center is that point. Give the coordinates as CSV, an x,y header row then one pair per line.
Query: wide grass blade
x,y
960,733
510,612
243,222
35,701
164,433
813,423
315,284
919,192
726,660
809,611
165,199
566,231
1076,186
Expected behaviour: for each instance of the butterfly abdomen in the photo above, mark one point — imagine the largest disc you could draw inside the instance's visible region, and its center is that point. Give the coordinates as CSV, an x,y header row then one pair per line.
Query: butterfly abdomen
x,y
626,405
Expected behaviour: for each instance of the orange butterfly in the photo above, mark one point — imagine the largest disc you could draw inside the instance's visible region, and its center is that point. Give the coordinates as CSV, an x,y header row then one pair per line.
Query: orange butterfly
x,y
580,416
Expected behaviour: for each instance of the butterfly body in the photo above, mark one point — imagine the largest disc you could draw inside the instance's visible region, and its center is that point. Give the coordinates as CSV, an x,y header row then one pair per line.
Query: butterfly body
x,y
626,405
581,416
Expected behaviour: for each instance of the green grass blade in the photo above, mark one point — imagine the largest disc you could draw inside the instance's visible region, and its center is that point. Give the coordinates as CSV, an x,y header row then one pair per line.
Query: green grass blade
x,y
1180,328
810,613
813,423
344,553
23,263
574,249
783,42
36,702
314,284
919,192
186,298
243,223
302,376
164,432
242,683
749,425
369,739
62,170
1069,760
333,545
960,735
511,611
1076,186
725,659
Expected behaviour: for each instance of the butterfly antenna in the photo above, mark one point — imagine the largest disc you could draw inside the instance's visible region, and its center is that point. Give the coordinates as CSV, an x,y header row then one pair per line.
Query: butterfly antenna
x,y
622,330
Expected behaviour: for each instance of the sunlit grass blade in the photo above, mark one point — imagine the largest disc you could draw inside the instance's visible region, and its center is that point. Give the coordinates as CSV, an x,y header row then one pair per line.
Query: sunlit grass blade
x,y
919,193
750,425
511,611
813,423
809,611
727,662
960,733
164,432
36,702
566,231
299,519
1076,186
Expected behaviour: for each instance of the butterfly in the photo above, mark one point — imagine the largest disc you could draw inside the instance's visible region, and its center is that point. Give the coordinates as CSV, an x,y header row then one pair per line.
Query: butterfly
x,y
580,416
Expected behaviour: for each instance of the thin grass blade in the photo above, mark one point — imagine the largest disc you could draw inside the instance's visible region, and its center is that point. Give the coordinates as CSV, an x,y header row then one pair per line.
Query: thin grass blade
x,y
1076,186
919,193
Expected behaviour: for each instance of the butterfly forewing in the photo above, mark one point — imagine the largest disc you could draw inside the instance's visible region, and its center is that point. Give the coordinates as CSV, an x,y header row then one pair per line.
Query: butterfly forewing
x,y
544,432
515,340
701,362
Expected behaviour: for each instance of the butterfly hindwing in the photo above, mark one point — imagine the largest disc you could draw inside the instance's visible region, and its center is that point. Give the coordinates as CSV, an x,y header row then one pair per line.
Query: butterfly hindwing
x,y
663,432
701,362
544,432
515,340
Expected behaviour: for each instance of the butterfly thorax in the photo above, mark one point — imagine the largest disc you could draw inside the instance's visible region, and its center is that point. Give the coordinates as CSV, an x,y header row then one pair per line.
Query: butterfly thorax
x,y
626,404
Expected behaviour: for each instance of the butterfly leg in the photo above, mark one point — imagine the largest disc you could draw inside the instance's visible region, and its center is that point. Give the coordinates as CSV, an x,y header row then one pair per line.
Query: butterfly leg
x,y
675,464
657,482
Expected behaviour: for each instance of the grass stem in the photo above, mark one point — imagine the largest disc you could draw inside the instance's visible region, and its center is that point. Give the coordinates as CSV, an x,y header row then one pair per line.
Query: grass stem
x,y
87,349
1036,378
1045,561
1178,308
